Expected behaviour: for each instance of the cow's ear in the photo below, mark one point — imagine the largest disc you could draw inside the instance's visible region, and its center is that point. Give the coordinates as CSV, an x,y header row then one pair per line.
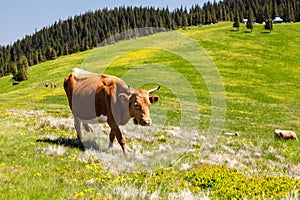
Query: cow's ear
x,y
124,97
153,99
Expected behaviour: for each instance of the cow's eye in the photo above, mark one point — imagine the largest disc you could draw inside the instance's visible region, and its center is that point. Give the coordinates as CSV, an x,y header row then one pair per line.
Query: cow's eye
x,y
136,105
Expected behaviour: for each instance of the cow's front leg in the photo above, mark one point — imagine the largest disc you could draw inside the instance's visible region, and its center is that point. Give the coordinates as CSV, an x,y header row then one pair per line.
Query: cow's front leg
x,y
121,139
78,128
116,132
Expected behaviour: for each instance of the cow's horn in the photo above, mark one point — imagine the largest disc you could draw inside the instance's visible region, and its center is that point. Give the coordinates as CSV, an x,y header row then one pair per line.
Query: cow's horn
x,y
153,90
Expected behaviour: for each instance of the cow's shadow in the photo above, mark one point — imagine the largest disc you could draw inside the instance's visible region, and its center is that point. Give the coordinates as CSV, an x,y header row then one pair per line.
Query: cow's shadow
x,y
72,142
68,142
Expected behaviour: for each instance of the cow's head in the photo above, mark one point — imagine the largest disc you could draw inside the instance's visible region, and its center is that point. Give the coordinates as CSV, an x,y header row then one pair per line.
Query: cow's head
x,y
278,134
139,104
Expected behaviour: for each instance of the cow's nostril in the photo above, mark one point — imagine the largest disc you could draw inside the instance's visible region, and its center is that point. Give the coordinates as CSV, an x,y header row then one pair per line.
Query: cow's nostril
x,y
147,122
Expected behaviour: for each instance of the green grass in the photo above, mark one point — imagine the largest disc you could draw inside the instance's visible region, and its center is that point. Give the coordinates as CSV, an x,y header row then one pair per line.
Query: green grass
x,y
259,72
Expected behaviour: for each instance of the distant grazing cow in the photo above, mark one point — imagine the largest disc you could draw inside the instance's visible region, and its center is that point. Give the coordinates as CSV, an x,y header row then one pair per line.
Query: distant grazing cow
x,y
46,84
285,134
99,98
53,85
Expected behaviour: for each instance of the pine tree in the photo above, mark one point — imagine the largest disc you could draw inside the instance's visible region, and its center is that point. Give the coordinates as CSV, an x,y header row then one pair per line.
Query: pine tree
x,y
50,53
184,20
250,20
275,9
21,73
260,15
269,25
236,23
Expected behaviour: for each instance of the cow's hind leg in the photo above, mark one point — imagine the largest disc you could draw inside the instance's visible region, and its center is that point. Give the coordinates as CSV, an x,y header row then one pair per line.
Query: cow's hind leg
x,y
78,127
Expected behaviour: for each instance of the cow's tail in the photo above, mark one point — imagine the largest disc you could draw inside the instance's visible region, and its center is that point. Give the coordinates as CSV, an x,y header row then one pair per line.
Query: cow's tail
x,y
68,82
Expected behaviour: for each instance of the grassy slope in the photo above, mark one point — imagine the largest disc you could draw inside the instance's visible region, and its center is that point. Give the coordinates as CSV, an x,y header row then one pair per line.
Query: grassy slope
x,y
260,73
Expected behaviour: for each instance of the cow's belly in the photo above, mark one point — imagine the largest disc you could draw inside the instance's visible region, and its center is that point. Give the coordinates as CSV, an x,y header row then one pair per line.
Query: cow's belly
x,y
97,120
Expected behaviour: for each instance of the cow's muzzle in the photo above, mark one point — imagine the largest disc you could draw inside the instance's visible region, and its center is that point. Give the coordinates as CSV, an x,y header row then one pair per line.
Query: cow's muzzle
x,y
142,123
146,123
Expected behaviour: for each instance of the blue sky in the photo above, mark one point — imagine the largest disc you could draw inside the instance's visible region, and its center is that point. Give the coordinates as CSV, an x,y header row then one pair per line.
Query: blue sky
x,y
19,18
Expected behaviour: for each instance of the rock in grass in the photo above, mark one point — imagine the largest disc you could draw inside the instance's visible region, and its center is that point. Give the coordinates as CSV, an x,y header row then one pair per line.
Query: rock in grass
x,y
233,134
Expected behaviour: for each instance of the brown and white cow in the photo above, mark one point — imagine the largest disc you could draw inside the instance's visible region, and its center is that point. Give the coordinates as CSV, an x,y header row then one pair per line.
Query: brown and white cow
x,y
99,98
285,134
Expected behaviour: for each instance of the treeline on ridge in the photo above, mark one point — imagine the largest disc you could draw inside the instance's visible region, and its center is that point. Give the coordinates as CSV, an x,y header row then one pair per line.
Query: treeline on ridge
x,y
91,29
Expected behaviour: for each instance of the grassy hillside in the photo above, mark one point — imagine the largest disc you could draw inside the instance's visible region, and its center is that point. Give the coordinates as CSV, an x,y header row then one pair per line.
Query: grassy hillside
x,y
215,80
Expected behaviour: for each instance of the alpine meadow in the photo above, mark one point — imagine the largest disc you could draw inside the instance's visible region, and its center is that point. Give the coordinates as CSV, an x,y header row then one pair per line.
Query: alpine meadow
x,y
259,74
